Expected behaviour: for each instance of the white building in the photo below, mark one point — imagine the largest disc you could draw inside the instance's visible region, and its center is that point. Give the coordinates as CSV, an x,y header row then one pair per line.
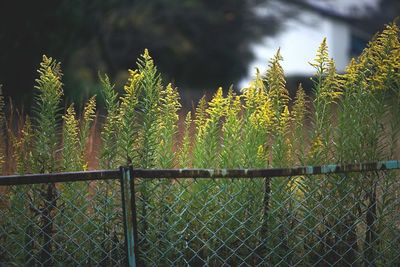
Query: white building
x,y
301,36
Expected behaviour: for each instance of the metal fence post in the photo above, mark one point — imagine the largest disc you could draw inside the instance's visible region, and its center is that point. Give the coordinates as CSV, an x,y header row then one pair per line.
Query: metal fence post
x,y
129,213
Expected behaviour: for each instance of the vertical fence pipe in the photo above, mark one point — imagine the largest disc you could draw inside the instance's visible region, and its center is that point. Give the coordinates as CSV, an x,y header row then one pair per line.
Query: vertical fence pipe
x,y
134,216
129,214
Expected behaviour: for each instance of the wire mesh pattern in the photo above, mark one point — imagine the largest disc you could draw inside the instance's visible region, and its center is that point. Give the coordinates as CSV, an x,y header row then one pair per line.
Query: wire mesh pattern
x,y
70,223
329,219
313,220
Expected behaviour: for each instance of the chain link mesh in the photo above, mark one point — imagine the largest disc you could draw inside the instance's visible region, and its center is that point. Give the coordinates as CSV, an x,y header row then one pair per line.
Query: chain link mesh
x,y
70,224
315,220
311,220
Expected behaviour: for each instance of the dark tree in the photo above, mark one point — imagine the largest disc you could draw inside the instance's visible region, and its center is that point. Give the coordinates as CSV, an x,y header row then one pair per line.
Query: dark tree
x,y
196,43
29,29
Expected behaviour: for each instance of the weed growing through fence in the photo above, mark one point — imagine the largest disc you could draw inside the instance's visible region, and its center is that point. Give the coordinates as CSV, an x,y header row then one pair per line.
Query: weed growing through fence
x,y
352,117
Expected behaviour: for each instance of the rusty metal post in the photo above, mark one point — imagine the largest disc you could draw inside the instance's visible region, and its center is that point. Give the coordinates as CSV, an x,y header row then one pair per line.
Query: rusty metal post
x,y
129,214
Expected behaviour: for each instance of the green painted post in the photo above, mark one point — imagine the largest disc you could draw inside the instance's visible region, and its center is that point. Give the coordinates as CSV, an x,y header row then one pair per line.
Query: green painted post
x,y
129,214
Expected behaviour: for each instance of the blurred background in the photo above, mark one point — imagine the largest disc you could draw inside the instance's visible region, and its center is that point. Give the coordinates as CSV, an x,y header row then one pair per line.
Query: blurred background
x,y
198,45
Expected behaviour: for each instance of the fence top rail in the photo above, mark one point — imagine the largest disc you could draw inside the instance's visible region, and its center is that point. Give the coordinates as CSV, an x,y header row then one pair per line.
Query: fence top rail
x,y
272,172
198,173
59,177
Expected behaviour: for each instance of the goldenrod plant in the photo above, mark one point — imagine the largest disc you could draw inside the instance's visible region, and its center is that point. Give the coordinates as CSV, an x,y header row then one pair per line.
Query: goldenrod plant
x,y
367,128
326,91
128,120
168,117
114,137
45,132
348,118
87,120
148,97
41,142
231,156
168,128
209,132
47,116
22,146
279,98
257,119
277,190
185,159
109,153
299,114
199,157
71,161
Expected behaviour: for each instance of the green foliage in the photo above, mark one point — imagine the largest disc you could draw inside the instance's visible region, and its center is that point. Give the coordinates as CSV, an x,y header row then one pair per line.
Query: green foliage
x,y
200,120
299,113
148,111
71,159
326,86
42,147
76,136
231,132
353,118
208,131
47,116
279,97
275,81
89,114
109,134
257,120
168,127
23,148
184,152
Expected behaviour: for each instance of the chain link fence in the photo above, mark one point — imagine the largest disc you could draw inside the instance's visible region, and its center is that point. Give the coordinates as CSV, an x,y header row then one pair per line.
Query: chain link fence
x,y
330,220
310,216
66,223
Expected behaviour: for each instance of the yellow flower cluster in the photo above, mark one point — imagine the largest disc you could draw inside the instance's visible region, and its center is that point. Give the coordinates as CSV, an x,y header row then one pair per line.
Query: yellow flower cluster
x,y
322,57
332,84
147,59
233,105
170,103
255,93
378,65
22,147
261,154
216,106
184,152
275,78
299,107
201,116
134,79
49,82
316,146
263,116
70,141
258,104
284,122
71,123
89,111
167,126
328,83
